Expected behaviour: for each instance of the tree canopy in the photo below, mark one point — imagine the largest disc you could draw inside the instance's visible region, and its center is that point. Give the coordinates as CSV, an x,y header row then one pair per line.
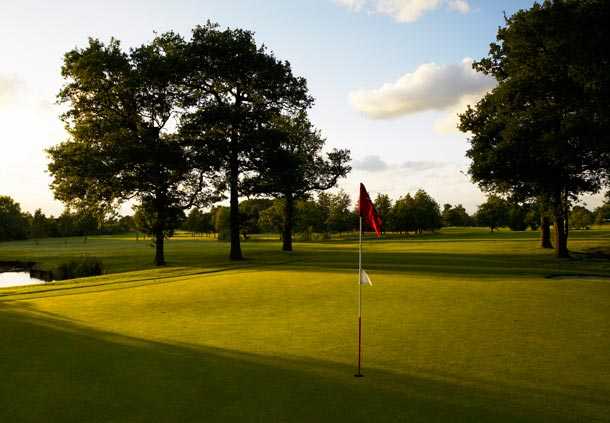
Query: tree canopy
x,y
543,131
235,90
292,166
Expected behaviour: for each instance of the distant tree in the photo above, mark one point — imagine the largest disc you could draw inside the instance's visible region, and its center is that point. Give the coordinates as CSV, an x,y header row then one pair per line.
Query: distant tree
x,y
40,225
222,224
532,218
120,111
455,216
146,220
13,223
493,213
383,206
309,218
543,132
272,218
339,218
403,217
236,90
426,211
198,221
581,218
249,211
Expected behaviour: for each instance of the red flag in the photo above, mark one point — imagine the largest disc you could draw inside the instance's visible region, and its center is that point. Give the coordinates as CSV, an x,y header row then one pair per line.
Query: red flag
x,y
367,211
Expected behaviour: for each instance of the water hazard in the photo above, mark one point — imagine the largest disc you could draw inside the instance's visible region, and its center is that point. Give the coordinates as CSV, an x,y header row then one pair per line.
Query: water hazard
x,y
18,278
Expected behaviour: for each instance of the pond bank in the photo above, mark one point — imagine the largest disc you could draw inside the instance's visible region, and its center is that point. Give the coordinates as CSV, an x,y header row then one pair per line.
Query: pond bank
x,y
26,266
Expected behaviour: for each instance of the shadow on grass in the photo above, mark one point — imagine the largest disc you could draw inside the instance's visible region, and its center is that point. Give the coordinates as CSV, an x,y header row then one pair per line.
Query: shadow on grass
x,y
437,264
56,370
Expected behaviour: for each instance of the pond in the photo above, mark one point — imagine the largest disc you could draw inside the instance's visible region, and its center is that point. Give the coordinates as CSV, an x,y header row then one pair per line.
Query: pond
x,y
18,278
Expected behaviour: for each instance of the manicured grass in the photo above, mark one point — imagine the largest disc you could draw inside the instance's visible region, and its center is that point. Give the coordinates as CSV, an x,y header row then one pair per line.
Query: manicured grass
x,y
459,326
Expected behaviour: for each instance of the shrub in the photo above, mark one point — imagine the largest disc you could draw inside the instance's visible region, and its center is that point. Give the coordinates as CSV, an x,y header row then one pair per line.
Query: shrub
x,y
80,268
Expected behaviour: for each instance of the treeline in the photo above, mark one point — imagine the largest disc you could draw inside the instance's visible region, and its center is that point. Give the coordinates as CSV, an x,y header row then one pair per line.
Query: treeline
x,y
18,225
319,218
334,213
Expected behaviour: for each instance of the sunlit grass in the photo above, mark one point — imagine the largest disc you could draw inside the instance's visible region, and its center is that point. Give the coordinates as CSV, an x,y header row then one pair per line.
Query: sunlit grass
x,y
459,326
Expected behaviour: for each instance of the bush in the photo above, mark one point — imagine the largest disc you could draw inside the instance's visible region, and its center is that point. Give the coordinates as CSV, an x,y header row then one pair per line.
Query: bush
x,y
85,266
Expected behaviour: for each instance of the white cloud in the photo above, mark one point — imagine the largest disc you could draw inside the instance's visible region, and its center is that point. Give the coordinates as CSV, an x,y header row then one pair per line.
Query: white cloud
x,y
461,6
404,10
372,163
430,87
422,165
354,5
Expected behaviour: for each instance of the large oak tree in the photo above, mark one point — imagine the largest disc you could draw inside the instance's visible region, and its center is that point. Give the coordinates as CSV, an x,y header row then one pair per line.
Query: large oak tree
x,y
121,107
236,89
543,131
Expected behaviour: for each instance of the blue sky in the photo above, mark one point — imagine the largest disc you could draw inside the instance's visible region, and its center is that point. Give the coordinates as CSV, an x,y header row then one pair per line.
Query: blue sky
x,y
401,135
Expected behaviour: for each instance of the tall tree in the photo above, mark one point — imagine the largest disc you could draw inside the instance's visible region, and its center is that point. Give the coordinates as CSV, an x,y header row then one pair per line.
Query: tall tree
x,y
236,88
544,130
121,110
292,166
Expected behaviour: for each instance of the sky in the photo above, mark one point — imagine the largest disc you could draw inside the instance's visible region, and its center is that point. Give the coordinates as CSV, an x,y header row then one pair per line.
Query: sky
x,y
388,76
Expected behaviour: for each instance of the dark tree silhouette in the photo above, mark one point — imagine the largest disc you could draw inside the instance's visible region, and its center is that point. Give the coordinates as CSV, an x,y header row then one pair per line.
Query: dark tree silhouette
x,y
120,109
236,89
544,130
292,166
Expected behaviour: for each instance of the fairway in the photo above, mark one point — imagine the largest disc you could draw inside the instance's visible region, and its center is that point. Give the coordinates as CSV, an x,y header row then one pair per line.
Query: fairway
x,y
462,325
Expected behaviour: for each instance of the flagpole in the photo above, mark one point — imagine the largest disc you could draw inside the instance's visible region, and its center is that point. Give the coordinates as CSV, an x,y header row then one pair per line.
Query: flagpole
x,y
359,299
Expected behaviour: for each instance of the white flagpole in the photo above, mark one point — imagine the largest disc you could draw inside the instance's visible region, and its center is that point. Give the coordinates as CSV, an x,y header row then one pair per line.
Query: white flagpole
x,y
359,299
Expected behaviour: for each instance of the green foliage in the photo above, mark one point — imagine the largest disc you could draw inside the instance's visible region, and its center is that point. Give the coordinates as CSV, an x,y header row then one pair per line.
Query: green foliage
x,y
272,218
39,227
249,212
80,268
146,219
310,218
418,213
494,213
383,206
235,91
292,166
198,221
336,212
543,131
13,223
222,225
119,108
581,218
517,217
456,216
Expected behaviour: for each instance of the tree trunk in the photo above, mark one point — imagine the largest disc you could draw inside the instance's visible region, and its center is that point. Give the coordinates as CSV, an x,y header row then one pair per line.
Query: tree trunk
x,y
159,248
560,228
235,253
545,233
288,218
